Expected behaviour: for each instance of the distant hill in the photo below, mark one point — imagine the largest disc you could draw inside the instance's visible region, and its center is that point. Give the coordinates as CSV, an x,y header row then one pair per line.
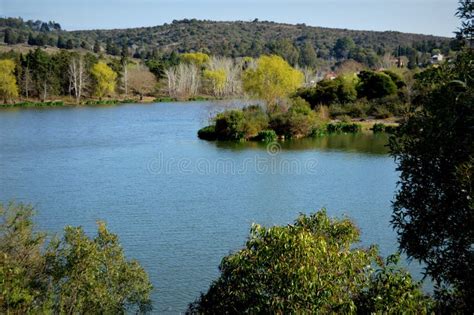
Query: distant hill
x,y
296,43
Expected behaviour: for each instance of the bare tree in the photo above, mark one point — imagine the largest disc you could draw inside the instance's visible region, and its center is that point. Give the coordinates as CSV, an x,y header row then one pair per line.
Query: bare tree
x,y
26,81
141,81
310,76
77,76
184,80
125,75
233,71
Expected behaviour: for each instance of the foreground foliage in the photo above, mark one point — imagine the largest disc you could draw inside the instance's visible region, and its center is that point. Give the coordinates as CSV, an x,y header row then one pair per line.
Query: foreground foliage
x,y
71,275
311,266
434,209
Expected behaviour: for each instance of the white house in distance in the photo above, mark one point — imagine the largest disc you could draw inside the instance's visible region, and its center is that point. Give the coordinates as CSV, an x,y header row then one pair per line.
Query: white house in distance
x,y
437,58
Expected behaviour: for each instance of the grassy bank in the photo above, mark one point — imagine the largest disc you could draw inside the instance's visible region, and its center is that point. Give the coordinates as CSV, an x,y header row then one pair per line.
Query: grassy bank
x,y
69,102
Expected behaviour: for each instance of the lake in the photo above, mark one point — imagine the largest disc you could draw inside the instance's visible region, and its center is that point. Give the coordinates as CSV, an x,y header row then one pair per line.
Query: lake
x,y
179,204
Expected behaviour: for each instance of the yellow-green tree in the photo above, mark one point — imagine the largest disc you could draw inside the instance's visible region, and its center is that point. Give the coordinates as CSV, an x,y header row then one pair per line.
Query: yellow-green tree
x,y
8,87
199,59
272,79
217,79
105,79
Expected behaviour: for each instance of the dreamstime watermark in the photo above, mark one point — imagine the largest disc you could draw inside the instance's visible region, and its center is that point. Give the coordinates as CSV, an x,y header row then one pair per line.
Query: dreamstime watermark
x,y
273,162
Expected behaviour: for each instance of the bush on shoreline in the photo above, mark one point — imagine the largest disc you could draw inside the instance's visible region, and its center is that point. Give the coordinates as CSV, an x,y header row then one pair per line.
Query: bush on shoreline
x,y
298,121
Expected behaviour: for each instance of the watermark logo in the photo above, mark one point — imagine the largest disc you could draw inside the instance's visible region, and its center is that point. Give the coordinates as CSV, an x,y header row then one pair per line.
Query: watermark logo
x,y
270,161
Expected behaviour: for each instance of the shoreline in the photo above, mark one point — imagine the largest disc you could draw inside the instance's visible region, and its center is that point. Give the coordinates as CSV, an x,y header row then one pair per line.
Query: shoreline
x,y
55,103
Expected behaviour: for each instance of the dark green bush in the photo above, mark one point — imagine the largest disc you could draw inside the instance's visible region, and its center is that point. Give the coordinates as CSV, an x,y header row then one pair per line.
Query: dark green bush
x,y
357,109
378,128
391,129
266,136
336,110
297,122
340,90
165,99
207,133
381,112
343,127
102,102
375,85
392,290
240,124
396,78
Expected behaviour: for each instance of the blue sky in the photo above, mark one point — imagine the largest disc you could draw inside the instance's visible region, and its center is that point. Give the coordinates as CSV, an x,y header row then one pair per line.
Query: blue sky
x,y
416,16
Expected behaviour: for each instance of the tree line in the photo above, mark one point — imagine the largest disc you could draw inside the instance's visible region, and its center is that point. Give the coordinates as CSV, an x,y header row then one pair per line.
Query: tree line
x,y
297,44
43,76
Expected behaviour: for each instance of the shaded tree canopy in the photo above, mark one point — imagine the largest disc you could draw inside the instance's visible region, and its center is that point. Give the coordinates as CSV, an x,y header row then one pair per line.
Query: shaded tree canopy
x,y
434,209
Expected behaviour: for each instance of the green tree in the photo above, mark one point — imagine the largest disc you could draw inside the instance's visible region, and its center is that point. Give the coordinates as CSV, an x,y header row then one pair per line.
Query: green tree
x,y
23,282
61,43
308,56
272,80
392,291
285,49
9,37
93,275
298,121
465,12
73,275
217,79
433,209
343,47
338,91
69,44
240,124
199,59
104,79
42,69
97,48
308,267
375,85
8,87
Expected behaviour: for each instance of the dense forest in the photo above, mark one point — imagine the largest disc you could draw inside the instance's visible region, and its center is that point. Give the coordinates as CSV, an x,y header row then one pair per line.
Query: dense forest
x,y
298,44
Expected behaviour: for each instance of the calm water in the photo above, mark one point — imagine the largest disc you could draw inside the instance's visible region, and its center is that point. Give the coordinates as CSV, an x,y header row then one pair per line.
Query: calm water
x,y
180,204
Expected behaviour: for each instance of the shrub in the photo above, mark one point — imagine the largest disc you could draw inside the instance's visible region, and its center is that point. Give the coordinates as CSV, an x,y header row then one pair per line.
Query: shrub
x,y
391,290
228,125
165,99
309,267
357,109
381,112
345,118
378,128
375,85
74,274
297,122
343,127
240,124
340,90
207,133
266,136
391,129
396,78
338,110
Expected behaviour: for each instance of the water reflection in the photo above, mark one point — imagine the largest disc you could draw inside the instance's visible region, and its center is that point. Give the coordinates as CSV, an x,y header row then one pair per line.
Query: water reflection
x,y
366,143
